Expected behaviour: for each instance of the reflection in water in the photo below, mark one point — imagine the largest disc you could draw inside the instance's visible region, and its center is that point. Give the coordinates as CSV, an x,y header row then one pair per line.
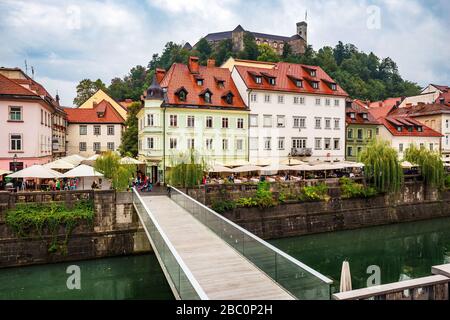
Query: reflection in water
x,y
133,277
402,251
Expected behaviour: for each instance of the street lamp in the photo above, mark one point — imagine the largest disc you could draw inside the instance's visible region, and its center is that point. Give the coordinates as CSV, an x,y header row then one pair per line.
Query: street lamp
x,y
15,162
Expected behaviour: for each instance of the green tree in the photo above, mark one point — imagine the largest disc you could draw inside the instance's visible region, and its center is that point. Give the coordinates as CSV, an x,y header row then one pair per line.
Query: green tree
x,y
266,53
186,170
287,50
224,51
120,175
382,168
129,145
204,50
250,51
431,165
86,89
325,59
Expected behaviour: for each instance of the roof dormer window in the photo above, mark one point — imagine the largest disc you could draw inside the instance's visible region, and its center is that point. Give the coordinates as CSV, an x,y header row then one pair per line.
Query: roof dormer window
x,y
315,85
352,115
199,82
228,96
364,116
399,128
298,83
312,73
419,129
271,81
207,95
181,93
333,86
220,82
258,79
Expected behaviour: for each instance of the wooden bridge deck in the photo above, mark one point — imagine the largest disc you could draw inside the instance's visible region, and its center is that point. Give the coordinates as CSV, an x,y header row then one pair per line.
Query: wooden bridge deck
x,y
220,270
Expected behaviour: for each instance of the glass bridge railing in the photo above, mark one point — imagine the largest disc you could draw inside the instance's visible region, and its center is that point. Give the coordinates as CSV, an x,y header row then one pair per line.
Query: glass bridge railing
x,y
301,281
182,280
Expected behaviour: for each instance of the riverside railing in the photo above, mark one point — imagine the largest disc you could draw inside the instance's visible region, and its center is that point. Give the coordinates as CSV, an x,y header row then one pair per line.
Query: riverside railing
x,y
176,271
301,281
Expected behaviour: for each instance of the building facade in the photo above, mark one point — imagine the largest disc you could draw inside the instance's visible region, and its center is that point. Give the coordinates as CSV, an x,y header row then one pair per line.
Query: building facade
x,y
430,94
101,95
296,111
298,42
94,130
361,129
26,114
192,107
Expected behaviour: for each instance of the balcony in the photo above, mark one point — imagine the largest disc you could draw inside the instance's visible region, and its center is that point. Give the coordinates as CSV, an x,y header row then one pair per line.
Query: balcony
x,y
301,152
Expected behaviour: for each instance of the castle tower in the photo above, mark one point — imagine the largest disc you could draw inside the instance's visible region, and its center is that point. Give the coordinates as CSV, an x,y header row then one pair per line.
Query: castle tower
x,y
302,30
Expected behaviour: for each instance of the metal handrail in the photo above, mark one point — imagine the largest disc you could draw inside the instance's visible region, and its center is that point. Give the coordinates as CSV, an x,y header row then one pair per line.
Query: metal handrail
x,y
261,241
201,293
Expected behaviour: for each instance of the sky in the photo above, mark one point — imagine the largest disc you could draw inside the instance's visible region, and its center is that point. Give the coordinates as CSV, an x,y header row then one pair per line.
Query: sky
x,y
69,40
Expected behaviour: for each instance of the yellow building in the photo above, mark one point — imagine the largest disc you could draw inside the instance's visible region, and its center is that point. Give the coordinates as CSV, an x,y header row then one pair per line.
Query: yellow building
x,y
231,62
98,97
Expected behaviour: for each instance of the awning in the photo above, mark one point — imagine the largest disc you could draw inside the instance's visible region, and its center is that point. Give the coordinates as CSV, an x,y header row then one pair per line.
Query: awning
x,y
36,172
292,162
60,164
74,159
247,168
236,163
82,171
218,169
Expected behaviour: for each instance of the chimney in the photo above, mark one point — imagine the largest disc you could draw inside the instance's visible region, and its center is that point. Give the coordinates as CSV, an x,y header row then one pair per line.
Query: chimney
x,y
57,98
193,64
211,63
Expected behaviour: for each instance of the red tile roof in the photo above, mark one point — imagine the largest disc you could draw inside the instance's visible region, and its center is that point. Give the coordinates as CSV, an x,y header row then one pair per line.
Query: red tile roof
x,y
359,109
389,123
11,87
179,76
441,88
284,73
77,115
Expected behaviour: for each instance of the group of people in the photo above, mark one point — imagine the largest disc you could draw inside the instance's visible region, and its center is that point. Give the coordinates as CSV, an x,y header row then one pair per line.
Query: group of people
x,y
143,183
62,184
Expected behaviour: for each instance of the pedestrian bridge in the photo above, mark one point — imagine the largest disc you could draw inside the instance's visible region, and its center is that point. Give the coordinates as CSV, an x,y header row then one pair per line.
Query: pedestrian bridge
x,y
205,256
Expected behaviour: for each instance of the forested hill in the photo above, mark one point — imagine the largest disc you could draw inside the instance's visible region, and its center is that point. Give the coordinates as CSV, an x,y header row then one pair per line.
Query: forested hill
x,y
363,76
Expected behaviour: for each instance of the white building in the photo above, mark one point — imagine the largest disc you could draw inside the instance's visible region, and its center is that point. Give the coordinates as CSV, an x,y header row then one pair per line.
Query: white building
x,y
295,111
430,94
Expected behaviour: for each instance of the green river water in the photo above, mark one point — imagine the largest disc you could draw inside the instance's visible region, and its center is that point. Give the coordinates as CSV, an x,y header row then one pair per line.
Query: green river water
x,y
401,251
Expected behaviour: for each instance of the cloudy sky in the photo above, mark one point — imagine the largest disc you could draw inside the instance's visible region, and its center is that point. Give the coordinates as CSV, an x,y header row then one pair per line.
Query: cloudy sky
x,y
68,40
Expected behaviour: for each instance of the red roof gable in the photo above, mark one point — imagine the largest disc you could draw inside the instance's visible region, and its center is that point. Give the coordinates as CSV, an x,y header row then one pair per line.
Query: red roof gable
x,y
389,123
359,109
179,76
285,73
110,115
11,87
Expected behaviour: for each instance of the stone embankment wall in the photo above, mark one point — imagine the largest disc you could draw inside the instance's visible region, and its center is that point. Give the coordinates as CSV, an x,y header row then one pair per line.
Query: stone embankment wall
x,y
115,230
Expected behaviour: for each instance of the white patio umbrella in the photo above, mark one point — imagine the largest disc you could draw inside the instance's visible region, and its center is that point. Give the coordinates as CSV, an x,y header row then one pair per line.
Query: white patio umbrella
x,y
237,163
60,164
218,169
82,171
128,160
247,168
276,167
292,162
262,162
349,164
74,159
93,158
407,165
346,278
36,172
3,172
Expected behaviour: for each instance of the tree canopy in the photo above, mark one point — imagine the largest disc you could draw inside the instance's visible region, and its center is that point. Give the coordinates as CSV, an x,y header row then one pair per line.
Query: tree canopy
x,y
129,145
86,88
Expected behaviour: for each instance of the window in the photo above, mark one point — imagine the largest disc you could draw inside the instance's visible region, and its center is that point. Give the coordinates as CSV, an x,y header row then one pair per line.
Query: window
x,y
350,134
327,144
240,123
209,144
15,142
229,98
173,143
15,113
280,99
150,143
298,143
298,83
447,124
97,130
446,139
253,144
360,134
365,116
267,98
377,131
110,130
296,100
350,151
110,146
313,73
42,116
258,80
224,123
318,123
369,134
281,122
224,144
267,120
267,143
239,144
182,95
173,120
419,129
337,123
333,87
318,143
281,143
336,102
400,147
83,146
352,115
315,85
45,117
190,143
83,130
150,120
327,123
190,121
318,102
327,102
96,146
431,147
359,149
337,143
199,82
422,146
253,97
399,128
299,122
209,122
253,120
272,81
302,100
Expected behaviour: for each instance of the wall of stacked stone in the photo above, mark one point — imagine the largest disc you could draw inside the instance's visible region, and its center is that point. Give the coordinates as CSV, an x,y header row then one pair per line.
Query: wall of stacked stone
x,y
295,218
115,230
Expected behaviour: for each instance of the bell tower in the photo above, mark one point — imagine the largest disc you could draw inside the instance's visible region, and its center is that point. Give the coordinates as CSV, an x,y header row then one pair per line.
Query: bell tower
x,y
302,30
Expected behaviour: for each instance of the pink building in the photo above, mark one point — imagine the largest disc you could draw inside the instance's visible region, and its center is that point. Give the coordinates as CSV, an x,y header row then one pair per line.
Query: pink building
x,y
26,111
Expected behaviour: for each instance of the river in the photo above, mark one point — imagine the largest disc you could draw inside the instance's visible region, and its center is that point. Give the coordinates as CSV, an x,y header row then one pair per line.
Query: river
x,y
401,251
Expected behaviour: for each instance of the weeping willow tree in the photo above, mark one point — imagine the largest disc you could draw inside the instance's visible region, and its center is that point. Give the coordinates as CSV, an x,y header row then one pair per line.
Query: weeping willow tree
x,y
382,168
187,170
120,175
430,163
